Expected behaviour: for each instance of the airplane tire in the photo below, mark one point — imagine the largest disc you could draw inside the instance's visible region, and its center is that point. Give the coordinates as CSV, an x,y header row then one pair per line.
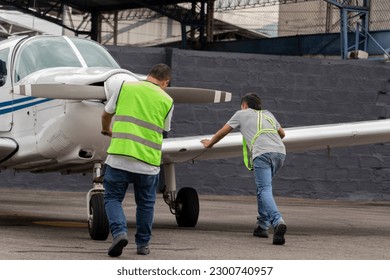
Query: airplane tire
x,y
98,226
188,212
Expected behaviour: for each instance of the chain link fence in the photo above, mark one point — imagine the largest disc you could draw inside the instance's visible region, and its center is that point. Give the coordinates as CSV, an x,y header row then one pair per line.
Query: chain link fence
x,y
267,18
275,18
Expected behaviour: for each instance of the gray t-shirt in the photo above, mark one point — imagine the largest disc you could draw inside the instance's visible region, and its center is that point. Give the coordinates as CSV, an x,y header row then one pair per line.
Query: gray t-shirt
x,y
246,121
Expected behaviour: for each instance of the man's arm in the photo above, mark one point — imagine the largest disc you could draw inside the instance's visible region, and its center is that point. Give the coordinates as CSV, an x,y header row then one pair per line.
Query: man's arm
x,y
106,123
281,132
208,143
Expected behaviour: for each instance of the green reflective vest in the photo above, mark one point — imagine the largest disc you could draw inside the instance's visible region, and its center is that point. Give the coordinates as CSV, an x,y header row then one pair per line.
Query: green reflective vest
x,y
137,131
247,150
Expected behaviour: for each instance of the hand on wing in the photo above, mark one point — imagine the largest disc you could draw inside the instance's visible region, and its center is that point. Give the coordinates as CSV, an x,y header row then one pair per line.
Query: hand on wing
x,y
206,143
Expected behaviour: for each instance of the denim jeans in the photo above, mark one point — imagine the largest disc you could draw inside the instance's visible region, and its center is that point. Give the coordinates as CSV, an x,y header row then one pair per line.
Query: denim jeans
x,y
115,184
265,167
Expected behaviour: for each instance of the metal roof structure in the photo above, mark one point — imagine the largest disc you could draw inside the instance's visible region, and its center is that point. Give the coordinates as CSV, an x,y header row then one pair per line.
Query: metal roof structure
x,y
92,12
91,5
8,27
198,15
99,19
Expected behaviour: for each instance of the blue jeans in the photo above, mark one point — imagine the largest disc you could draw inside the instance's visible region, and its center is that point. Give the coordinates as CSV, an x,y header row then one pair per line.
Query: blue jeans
x,y
115,184
265,167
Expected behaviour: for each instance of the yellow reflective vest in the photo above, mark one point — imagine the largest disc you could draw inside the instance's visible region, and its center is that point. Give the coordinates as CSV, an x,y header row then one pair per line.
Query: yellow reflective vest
x,y
137,131
247,149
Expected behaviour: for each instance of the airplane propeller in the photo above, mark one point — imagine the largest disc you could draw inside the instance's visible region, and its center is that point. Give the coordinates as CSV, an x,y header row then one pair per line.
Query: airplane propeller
x,y
91,92
61,91
198,95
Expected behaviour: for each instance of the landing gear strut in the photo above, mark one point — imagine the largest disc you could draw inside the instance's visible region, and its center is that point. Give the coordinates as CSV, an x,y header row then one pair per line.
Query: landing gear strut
x,y
97,219
185,206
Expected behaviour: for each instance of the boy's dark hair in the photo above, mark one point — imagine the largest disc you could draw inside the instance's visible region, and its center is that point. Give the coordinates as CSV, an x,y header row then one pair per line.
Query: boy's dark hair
x,y
161,72
253,101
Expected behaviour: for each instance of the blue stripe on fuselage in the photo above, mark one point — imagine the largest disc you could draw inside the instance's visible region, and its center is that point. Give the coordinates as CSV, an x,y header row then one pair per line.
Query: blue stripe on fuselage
x,y
23,106
15,101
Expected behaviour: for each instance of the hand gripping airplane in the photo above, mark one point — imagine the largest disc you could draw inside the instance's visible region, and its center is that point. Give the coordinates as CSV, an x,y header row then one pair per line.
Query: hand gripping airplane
x,y
52,94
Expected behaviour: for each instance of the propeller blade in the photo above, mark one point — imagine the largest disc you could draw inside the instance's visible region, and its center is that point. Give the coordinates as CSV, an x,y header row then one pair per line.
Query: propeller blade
x,y
62,91
198,95
85,92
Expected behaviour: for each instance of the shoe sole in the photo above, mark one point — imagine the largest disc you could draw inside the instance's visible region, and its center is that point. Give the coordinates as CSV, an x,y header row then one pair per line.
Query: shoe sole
x,y
260,235
280,230
116,251
143,252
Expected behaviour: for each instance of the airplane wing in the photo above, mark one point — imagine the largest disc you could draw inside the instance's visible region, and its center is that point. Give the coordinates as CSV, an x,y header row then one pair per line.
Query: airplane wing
x,y
298,139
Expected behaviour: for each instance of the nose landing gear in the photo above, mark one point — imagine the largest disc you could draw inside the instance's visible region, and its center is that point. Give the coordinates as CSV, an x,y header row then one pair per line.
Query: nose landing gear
x,y
185,206
96,214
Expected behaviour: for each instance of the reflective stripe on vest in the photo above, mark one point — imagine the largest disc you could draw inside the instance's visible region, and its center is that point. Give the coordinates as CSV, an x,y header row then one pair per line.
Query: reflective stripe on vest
x,y
142,108
247,151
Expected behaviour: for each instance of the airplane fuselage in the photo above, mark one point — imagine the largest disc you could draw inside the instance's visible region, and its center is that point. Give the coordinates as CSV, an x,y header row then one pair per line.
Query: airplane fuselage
x,y
43,134
57,133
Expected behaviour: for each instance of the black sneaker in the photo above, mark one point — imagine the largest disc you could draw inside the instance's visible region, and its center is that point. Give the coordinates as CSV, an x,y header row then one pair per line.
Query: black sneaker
x,y
117,245
143,250
279,232
259,232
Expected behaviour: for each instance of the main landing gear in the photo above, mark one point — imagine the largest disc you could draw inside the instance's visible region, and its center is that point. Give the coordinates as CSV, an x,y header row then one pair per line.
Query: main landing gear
x,y
185,206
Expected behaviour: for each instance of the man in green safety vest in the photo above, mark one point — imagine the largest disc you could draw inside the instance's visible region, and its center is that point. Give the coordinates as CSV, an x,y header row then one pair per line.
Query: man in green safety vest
x,y
264,152
142,111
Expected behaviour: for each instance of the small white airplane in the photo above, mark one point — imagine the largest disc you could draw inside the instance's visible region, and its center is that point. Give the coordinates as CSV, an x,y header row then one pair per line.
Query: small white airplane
x,y
52,93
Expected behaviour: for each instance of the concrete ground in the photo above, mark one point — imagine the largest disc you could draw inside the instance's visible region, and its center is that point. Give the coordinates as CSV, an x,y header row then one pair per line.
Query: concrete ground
x,y
51,225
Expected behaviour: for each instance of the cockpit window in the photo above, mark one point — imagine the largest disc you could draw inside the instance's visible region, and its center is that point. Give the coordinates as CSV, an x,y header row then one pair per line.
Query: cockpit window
x,y
4,57
94,54
49,52
42,53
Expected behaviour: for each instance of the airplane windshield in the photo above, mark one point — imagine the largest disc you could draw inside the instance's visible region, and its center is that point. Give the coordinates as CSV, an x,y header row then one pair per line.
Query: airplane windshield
x,y
49,52
42,53
94,54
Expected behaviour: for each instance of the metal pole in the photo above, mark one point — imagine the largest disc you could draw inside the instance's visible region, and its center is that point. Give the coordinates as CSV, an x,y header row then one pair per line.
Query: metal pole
x,y
357,36
344,33
366,22
183,36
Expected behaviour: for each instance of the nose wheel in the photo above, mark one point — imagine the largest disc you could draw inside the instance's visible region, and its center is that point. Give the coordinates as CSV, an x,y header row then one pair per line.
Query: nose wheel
x,y
97,219
98,226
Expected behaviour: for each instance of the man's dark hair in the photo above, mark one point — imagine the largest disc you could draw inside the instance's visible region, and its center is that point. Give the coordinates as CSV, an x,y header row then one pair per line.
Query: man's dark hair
x,y
253,101
161,72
